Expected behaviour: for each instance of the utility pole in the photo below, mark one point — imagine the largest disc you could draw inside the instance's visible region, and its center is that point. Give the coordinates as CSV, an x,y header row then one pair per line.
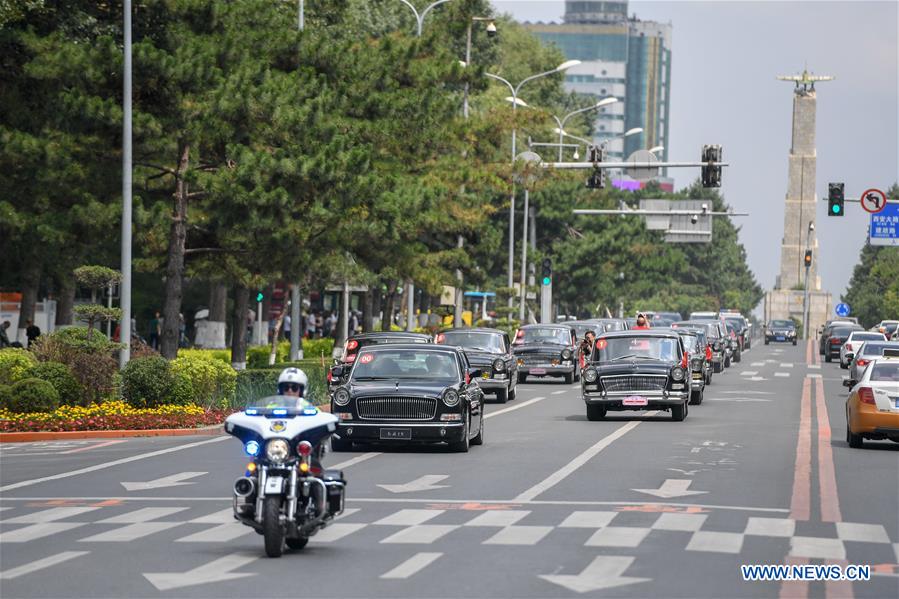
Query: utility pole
x,y
125,299
808,264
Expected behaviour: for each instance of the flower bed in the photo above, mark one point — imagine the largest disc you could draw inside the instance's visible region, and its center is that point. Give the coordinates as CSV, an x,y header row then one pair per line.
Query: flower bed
x,y
112,415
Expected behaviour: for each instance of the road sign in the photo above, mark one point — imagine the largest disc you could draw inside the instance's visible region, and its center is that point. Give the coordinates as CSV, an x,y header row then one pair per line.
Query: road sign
x,y
884,226
842,309
873,200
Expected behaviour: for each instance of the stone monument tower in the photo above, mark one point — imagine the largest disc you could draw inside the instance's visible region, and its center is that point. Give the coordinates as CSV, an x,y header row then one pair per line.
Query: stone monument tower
x,y
786,299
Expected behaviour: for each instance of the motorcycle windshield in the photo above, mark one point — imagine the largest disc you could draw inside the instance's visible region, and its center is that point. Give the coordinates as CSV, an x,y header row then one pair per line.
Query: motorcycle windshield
x,y
291,405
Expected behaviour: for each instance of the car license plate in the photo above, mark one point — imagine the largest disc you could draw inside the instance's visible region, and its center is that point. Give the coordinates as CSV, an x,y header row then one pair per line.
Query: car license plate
x,y
485,375
274,485
404,434
538,370
635,400
781,338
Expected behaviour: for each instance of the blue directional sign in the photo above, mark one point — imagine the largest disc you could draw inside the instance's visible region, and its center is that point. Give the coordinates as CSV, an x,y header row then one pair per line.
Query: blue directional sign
x,y
885,226
842,309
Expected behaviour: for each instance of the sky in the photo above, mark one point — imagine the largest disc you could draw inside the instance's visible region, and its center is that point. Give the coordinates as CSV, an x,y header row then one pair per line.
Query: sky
x,y
725,59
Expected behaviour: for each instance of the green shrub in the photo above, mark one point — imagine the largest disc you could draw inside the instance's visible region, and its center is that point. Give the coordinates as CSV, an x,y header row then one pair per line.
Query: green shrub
x,y
60,376
314,348
31,395
222,355
257,356
92,361
209,382
14,364
5,395
150,382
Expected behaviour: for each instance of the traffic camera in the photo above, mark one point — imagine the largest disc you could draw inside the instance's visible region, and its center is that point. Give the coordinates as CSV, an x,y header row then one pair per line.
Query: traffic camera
x,y
711,171
835,199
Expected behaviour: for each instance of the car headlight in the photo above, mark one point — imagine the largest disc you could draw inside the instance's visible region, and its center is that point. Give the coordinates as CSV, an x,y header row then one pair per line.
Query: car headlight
x,y
341,397
769,332
499,365
450,397
590,375
566,354
677,374
791,334
277,450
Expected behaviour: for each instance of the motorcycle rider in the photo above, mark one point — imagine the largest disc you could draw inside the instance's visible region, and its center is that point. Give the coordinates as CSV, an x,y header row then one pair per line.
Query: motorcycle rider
x,y
292,382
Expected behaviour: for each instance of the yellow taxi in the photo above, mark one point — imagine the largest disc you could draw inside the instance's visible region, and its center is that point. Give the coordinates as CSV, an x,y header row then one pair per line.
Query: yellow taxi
x,y
872,410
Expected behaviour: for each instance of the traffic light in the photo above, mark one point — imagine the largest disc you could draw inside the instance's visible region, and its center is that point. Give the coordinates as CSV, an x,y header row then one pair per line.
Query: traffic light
x,y
260,296
711,171
547,271
596,180
808,258
835,199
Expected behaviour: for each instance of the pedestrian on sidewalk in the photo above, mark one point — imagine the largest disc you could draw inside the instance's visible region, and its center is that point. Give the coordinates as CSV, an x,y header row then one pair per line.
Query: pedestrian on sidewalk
x,y
32,332
4,338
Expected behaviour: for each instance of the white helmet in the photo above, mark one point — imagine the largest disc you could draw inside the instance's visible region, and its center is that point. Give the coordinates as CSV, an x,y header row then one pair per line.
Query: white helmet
x,y
293,375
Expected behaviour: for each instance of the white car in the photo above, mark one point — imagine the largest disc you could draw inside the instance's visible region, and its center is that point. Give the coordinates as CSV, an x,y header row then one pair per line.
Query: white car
x,y
854,342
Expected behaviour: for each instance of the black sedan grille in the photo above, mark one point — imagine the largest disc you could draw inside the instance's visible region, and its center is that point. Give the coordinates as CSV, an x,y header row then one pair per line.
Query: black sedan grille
x,y
539,357
635,382
396,407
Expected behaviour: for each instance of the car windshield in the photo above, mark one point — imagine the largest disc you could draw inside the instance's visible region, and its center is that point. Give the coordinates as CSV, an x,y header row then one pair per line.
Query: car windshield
x,y
543,335
867,336
490,342
581,329
884,373
842,332
737,323
280,401
691,342
614,325
405,364
782,324
638,347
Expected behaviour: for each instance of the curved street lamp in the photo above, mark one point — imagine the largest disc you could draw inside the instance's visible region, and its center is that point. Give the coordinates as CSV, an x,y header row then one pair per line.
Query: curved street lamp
x,y
420,17
561,122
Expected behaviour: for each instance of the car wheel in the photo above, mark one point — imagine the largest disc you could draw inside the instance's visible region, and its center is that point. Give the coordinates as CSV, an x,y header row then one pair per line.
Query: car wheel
x,y
844,365
679,412
462,445
595,412
794,342
339,445
513,392
726,362
767,342
569,378
696,396
502,395
738,356
479,438
855,441
828,357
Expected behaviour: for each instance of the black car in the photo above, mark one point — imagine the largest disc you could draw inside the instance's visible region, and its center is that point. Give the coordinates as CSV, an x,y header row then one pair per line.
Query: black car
x,y
409,393
638,370
700,366
716,342
741,326
582,326
352,346
546,350
835,339
489,351
611,324
825,345
735,338
781,330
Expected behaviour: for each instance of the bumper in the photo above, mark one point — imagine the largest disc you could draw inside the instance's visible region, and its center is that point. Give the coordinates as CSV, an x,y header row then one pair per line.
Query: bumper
x,y
780,339
615,401
422,432
698,379
867,420
546,369
493,385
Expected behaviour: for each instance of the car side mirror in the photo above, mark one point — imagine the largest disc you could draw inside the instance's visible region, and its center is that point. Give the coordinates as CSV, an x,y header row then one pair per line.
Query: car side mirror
x,y
848,382
337,372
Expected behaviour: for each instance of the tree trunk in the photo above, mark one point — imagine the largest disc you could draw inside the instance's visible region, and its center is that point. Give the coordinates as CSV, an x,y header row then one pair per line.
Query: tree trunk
x,y
211,332
174,272
239,328
65,301
368,311
389,307
31,281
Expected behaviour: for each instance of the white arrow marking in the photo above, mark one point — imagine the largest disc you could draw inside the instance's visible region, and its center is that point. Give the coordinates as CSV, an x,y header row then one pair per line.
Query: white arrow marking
x,y
604,572
215,571
422,483
166,481
672,487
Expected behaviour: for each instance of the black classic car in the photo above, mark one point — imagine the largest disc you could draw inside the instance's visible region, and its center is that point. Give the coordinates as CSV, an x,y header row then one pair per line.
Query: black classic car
x,y
546,350
409,393
782,330
490,351
352,346
637,370
717,342
700,365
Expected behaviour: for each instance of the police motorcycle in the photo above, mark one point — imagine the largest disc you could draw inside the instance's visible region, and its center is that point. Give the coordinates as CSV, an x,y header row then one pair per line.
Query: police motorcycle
x,y
285,495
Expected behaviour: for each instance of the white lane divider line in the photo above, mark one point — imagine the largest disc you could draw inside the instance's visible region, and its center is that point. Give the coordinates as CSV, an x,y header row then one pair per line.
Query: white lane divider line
x,y
782,374
355,460
560,392
220,517
40,564
142,515
94,446
411,566
564,472
337,531
39,531
51,515
757,364
513,408
107,465
749,372
409,517
786,365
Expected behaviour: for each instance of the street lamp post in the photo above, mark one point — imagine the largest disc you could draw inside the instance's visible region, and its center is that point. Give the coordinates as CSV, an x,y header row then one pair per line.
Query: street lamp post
x,y
515,102
125,300
808,239
420,17
561,122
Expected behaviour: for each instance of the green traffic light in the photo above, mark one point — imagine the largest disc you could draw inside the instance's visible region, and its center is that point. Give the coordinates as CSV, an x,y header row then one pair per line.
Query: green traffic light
x,y
547,280
259,296
836,208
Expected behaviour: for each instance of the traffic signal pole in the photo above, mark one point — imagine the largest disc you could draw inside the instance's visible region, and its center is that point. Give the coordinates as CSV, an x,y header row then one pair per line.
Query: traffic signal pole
x,y
546,303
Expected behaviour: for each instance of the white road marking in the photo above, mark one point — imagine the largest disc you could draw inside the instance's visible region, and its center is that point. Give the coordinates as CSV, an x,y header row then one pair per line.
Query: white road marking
x,y
617,536
817,547
814,366
519,535
782,374
142,515
671,488
498,518
559,392
124,534
737,399
566,470
868,533
412,566
337,531
513,408
51,515
217,570
716,542
354,461
220,517
94,446
422,534
757,378
40,564
682,522
749,372
349,511
173,480
112,464
409,517
604,572
588,519
814,376
747,392
217,534
786,365
38,531
757,364
770,527
422,483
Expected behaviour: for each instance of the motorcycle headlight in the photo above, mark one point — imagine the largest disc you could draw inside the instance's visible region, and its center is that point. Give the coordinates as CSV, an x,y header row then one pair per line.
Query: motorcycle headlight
x,y
450,398
590,375
499,365
677,374
566,354
277,450
341,397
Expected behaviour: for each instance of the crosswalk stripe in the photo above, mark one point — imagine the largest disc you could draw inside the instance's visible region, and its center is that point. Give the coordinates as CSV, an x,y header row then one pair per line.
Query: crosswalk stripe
x,y
142,515
38,531
409,517
749,372
130,532
519,535
51,515
864,533
40,564
716,542
786,365
817,547
770,527
617,536
217,534
498,518
423,534
337,531
220,517
580,519
412,566
782,374
757,364
682,522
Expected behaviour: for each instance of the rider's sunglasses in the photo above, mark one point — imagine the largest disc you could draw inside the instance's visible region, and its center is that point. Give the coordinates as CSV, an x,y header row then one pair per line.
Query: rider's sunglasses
x,y
291,386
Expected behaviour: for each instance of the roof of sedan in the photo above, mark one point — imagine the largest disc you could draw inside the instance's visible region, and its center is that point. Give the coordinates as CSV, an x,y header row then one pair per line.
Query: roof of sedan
x,y
473,330
563,326
411,347
640,333
405,334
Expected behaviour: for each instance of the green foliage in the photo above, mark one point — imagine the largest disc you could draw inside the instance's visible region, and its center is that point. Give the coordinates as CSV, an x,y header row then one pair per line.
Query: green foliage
x,y
31,395
96,277
222,355
15,364
90,357
150,382
208,382
60,376
95,313
261,382
314,348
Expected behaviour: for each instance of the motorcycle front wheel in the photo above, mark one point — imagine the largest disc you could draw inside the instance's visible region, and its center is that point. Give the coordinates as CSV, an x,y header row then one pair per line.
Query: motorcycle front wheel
x,y
271,526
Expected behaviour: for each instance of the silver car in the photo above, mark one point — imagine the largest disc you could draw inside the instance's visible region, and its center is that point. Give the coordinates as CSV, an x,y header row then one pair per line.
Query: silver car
x,y
864,354
856,338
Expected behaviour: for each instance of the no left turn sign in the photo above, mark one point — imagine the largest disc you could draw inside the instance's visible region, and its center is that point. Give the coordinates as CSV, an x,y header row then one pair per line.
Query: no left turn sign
x,y
873,200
